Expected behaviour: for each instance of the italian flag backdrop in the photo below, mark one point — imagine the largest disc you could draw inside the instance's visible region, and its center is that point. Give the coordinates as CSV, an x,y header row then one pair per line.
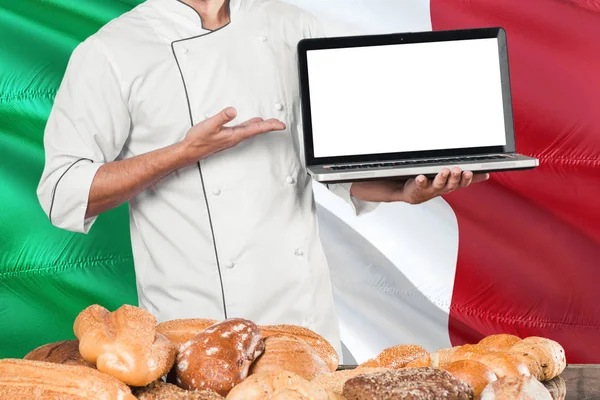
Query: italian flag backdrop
x,y
517,254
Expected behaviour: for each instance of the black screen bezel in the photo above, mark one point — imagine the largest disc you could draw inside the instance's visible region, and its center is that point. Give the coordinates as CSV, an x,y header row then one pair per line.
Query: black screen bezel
x,y
306,45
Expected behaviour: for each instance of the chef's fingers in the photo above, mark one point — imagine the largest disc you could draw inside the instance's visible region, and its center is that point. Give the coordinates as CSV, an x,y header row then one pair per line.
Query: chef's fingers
x,y
251,121
244,132
440,180
225,116
480,178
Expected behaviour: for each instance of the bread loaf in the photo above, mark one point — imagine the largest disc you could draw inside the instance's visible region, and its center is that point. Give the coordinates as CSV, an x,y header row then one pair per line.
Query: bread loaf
x,y
503,364
165,391
334,382
301,391
408,383
468,352
289,353
124,344
65,352
321,346
545,356
180,331
32,380
499,342
423,361
474,373
516,388
219,357
263,385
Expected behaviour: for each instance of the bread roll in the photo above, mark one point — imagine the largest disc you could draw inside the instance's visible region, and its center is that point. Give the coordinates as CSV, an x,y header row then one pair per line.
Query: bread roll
x,y
289,353
219,357
32,380
180,331
423,361
503,364
516,388
301,391
397,357
443,357
468,352
334,382
499,342
124,344
165,391
476,374
546,356
557,388
65,352
263,385
321,346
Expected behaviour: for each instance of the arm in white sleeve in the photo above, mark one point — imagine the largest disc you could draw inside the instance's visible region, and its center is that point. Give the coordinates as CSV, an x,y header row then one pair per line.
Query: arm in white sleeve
x,y
316,28
87,127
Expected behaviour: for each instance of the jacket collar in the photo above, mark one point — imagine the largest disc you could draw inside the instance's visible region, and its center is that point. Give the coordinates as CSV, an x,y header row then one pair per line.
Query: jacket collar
x,y
183,11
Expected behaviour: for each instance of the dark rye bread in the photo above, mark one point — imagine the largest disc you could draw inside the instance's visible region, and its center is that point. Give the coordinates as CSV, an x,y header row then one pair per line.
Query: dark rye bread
x,y
407,384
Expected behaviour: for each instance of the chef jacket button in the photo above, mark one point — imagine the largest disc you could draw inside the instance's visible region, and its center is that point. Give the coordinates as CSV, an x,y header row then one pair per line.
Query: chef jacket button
x,y
299,252
279,107
290,180
262,38
229,264
216,192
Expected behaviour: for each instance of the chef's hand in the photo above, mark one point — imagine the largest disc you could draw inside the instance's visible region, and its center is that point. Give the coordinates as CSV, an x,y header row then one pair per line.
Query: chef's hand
x,y
415,190
211,136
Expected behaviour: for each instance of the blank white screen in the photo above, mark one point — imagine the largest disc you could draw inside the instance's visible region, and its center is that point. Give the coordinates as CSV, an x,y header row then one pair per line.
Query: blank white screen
x,y
409,97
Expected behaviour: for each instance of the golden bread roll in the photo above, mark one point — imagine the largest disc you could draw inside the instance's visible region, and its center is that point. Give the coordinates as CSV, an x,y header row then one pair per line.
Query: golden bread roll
x,y
263,385
65,352
301,391
423,361
468,352
546,353
180,331
504,364
334,382
32,380
219,357
399,356
557,388
291,354
443,356
124,344
476,374
160,390
371,363
499,342
322,347
516,388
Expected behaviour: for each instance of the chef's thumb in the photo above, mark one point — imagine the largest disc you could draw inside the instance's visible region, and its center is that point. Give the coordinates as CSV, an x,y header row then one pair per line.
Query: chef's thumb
x,y
225,116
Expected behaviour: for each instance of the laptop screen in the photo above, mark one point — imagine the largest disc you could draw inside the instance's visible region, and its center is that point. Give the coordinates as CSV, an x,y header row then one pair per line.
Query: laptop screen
x,y
406,97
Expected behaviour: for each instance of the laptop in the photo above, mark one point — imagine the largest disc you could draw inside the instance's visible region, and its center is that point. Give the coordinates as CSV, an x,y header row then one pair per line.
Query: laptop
x,y
407,104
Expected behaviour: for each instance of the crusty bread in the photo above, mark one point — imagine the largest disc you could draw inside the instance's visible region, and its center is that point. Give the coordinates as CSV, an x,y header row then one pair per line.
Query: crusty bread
x,y
124,344
443,356
160,390
180,331
334,382
301,391
545,356
289,353
474,373
499,342
219,357
263,385
516,387
504,364
422,361
65,352
398,357
467,352
32,380
321,346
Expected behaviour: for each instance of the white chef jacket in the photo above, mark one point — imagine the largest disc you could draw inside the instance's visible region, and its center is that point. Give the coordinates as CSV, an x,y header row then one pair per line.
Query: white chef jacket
x,y
235,235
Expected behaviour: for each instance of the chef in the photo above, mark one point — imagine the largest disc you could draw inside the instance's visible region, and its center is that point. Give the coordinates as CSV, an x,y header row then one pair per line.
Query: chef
x,y
189,110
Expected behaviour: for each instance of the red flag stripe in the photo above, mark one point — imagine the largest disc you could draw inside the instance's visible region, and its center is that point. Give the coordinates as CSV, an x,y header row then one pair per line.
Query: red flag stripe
x,y
529,242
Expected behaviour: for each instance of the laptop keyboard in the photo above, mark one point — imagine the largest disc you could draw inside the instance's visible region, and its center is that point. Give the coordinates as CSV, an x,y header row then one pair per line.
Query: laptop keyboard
x,y
408,163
